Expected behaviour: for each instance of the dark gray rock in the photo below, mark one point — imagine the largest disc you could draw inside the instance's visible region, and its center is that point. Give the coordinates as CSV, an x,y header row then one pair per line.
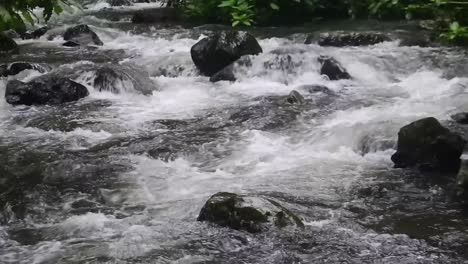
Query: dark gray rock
x,y
119,78
313,88
47,89
213,53
82,35
461,118
11,33
120,2
226,74
252,214
71,44
295,98
17,67
428,145
8,45
341,39
156,15
3,70
35,34
332,68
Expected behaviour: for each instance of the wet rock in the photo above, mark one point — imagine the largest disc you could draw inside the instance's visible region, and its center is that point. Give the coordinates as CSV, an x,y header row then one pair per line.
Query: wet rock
x,y
342,39
35,34
295,98
332,68
121,78
461,118
120,2
253,214
312,88
462,177
7,44
428,145
226,74
156,15
82,35
11,34
46,89
3,70
213,53
70,44
17,67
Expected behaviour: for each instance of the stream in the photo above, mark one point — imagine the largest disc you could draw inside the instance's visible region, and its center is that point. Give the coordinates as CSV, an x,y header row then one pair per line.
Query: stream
x,y
121,177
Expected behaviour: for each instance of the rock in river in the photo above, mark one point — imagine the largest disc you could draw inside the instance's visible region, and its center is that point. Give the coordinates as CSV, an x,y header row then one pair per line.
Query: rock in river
x,y
47,89
341,39
82,35
332,68
428,145
461,118
253,214
215,52
7,45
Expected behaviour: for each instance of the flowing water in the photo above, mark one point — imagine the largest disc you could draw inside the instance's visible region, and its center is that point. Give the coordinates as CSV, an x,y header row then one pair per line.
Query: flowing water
x,y
121,178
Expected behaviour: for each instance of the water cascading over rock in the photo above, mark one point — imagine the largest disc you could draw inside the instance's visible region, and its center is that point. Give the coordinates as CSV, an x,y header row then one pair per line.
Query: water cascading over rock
x,y
81,35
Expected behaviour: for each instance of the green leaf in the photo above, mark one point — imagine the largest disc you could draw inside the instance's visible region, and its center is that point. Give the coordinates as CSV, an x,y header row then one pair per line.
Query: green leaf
x,y
247,23
454,26
27,15
58,9
274,6
235,23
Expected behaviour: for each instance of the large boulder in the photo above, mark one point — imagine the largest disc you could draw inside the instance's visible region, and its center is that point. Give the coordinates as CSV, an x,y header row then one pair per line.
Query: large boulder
x,y
7,44
82,35
47,89
253,214
332,68
156,15
213,53
428,145
341,39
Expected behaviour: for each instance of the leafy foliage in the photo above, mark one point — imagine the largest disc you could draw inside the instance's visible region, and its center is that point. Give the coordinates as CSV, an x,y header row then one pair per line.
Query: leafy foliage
x,y
14,13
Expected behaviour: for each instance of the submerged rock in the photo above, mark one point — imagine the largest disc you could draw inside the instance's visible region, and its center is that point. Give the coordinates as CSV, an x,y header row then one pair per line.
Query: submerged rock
x,y
46,89
342,39
7,44
461,118
120,2
70,44
332,68
3,70
213,53
82,35
428,145
120,78
253,214
295,98
156,15
226,74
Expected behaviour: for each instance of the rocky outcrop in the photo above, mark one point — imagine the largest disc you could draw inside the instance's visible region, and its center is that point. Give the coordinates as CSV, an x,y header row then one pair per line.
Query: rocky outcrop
x,y
252,214
82,35
428,145
341,39
47,89
156,15
7,44
213,53
332,68
461,118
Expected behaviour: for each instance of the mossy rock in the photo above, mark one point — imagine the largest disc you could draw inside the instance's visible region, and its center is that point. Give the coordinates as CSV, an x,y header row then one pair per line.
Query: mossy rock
x,y
253,214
